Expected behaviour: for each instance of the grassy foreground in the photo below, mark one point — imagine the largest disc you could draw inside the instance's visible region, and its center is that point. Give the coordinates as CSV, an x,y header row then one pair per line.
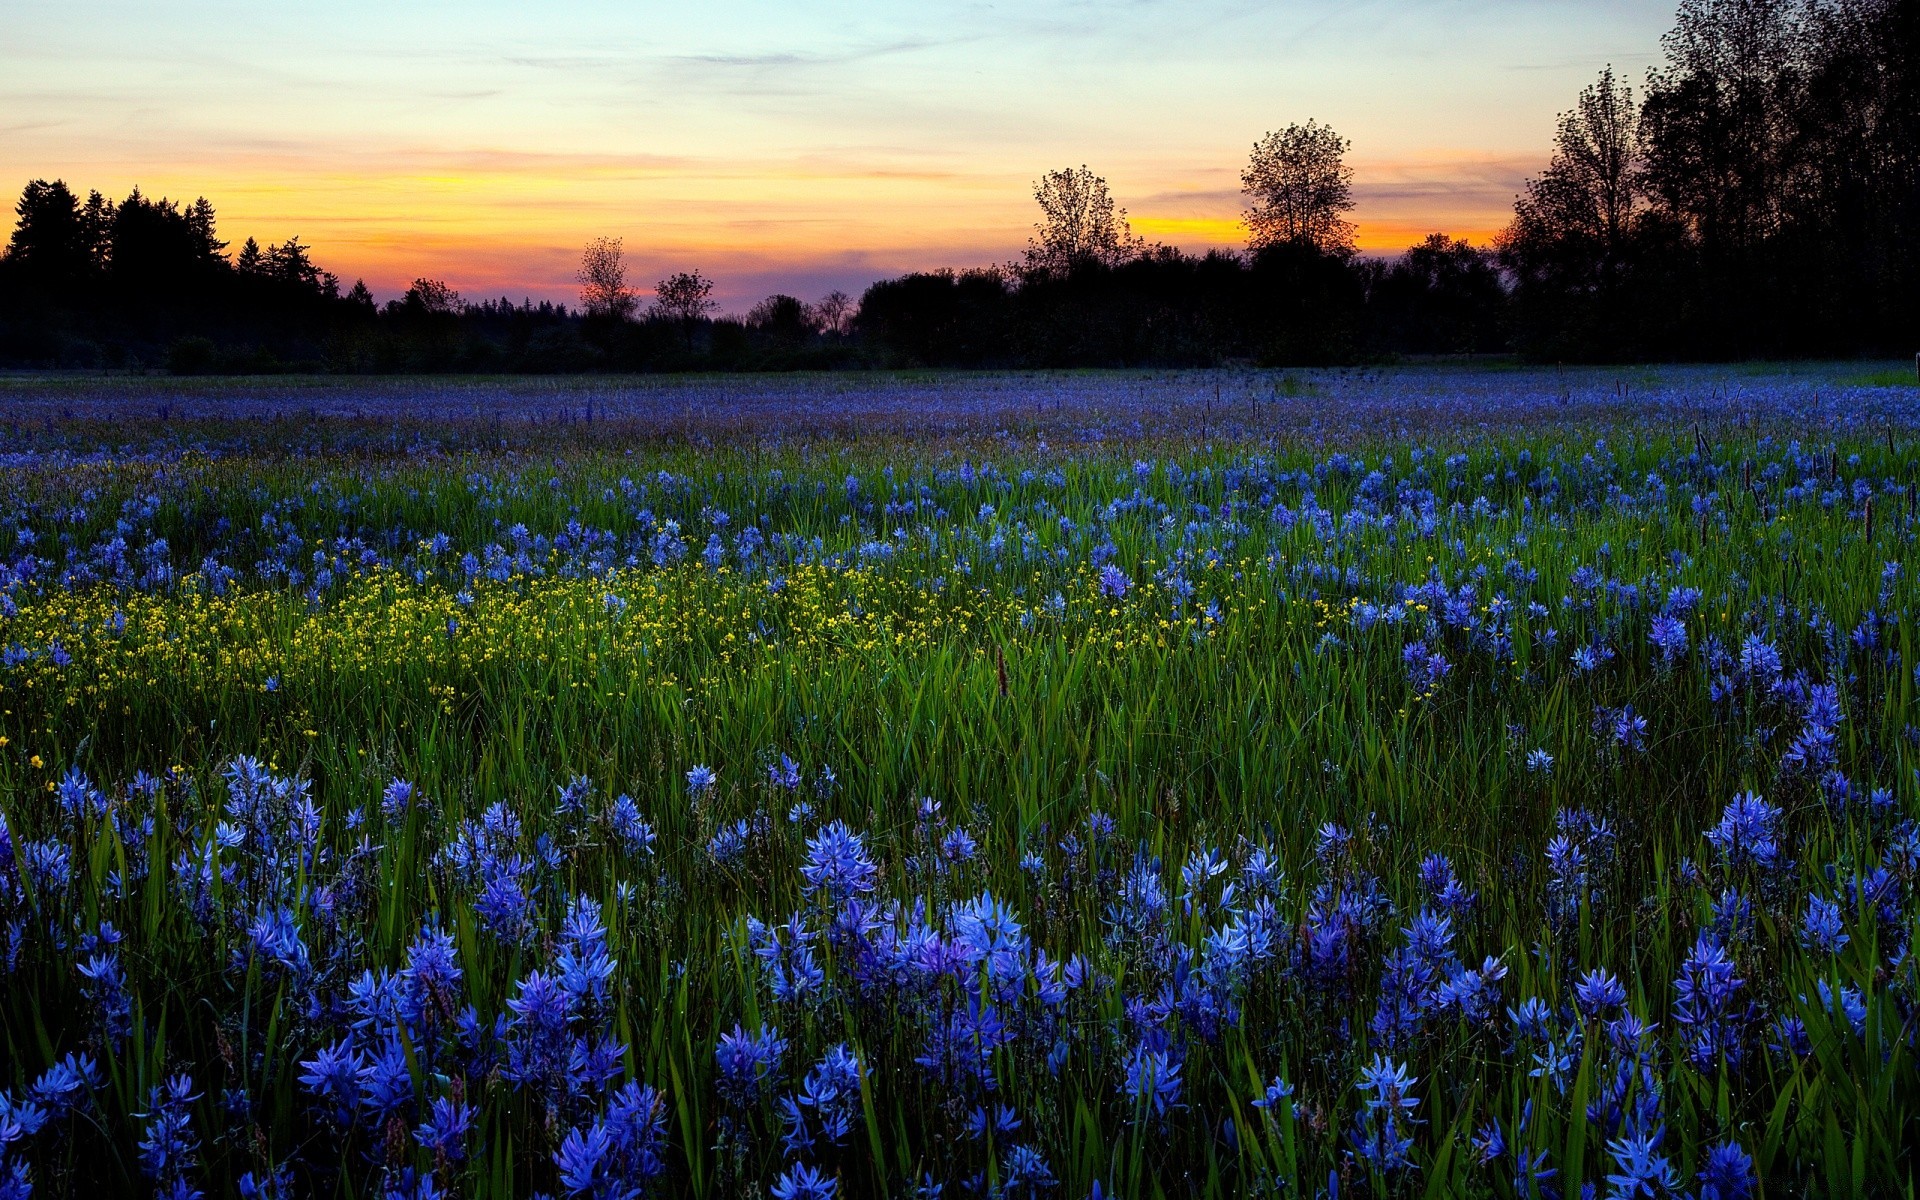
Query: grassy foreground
x,y
1493,818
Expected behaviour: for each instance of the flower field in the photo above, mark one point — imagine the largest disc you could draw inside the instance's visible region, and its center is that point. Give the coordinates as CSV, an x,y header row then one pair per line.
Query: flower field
x,y
1410,783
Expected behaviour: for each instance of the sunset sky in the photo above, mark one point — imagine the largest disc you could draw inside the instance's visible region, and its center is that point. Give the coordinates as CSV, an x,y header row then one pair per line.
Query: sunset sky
x,y
796,146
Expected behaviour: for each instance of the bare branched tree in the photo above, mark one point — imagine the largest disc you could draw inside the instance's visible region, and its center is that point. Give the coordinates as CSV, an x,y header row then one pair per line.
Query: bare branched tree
x,y
834,313
1301,188
1078,224
603,280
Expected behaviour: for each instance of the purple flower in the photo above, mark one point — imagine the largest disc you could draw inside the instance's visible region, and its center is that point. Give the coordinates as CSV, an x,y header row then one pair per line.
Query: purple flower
x,y
1114,582
784,774
444,1133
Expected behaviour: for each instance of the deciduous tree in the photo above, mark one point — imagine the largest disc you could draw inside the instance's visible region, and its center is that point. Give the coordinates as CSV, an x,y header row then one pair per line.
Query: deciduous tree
x,y
603,280
1078,224
1301,190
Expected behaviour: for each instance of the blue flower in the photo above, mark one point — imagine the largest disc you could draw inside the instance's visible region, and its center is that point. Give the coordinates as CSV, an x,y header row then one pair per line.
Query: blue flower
x,y
106,990
784,774
700,780
1638,1169
1704,992
444,1133
748,1063
838,864
584,1159
1152,1083
1382,1133
1277,1094
573,796
1599,993
332,1075
1669,636
386,1082
1727,1173
633,831
802,1182
1748,834
1823,929
169,1149
1024,1172
396,801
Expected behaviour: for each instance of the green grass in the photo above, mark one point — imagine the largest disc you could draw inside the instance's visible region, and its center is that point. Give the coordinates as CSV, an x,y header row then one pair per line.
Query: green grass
x,y
912,676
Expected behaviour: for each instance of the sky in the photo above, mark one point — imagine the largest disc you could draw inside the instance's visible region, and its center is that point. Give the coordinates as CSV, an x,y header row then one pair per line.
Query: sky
x,y
799,146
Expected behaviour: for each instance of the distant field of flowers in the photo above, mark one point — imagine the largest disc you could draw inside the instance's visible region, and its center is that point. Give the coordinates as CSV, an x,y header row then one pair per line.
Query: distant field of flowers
x,y
1418,782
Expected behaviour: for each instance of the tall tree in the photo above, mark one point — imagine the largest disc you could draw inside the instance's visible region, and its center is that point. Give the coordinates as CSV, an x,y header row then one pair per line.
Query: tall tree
x,y
1576,217
290,262
252,260
1717,118
51,244
603,280
1301,190
156,251
1078,225
201,221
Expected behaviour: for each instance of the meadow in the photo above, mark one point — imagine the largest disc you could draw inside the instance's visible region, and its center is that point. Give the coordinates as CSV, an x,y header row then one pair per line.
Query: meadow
x,y
1430,781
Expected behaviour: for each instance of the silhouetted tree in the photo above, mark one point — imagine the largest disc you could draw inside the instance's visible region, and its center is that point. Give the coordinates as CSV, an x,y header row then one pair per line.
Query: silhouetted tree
x,y
835,313
51,245
158,251
429,297
1078,225
1571,240
1301,190
251,260
684,300
785,318
940,318
1587,198
1717,115
603,280
1443,296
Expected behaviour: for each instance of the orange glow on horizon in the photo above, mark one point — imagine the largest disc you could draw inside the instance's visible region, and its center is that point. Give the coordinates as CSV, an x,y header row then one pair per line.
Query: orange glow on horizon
x,y
495,222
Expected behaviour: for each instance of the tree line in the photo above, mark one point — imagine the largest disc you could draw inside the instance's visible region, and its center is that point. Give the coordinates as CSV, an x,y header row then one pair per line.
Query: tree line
x,y
1758,194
